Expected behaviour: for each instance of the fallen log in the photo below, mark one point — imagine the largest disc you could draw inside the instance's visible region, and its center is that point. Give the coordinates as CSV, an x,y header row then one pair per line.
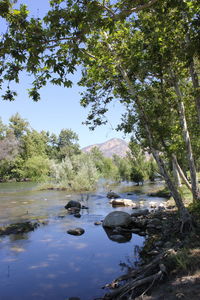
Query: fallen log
x,y
142,270
149,273
122,291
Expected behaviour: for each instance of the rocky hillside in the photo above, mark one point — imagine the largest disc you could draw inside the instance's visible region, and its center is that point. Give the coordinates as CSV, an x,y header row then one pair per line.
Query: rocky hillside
x,y
110,147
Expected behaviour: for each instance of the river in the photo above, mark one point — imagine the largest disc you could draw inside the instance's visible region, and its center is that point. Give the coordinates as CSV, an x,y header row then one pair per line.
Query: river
x,y
48,263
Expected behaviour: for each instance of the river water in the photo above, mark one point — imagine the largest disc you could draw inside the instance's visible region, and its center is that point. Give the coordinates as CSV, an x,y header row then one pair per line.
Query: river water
x,y
48,263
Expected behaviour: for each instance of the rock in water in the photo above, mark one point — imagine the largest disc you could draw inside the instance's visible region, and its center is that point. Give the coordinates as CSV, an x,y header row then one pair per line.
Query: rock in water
x,y
123,202
76,231
73,203
141,212
117,218
112,195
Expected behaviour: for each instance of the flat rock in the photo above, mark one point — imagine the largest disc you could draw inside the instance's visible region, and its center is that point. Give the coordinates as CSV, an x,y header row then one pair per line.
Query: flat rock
x,y
123,202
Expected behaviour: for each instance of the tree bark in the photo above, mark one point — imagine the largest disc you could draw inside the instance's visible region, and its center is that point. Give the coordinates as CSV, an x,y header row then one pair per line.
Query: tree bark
x,y
186,136
181,173
184,214
196,86
176,174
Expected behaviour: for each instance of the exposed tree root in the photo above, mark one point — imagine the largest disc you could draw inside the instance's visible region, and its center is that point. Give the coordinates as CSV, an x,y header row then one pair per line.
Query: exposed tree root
x,y
147,274
187,224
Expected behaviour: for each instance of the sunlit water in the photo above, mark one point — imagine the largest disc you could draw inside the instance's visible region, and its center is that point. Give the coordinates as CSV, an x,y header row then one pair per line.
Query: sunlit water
x,y
51,264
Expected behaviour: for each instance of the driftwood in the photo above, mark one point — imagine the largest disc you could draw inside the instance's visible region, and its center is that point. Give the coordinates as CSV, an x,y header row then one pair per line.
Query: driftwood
x,y
143,269
146,274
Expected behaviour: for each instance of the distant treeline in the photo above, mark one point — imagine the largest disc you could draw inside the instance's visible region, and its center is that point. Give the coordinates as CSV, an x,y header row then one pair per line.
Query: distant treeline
x,y
29,155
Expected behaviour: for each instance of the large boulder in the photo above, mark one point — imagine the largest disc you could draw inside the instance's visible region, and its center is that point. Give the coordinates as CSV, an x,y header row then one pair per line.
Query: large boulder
x,y
117,218
73,203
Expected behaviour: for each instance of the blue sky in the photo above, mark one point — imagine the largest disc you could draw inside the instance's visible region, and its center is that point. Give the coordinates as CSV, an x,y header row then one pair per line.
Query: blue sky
x,y
59,107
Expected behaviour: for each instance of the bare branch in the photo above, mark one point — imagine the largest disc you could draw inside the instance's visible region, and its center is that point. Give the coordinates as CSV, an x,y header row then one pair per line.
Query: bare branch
x,y
126,13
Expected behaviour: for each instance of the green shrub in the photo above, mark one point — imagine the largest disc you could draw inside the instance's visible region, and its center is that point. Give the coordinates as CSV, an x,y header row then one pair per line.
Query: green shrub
x,y
36,168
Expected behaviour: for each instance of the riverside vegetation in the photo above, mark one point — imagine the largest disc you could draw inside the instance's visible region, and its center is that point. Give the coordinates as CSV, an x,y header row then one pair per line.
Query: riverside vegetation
x,y
58,162
145,54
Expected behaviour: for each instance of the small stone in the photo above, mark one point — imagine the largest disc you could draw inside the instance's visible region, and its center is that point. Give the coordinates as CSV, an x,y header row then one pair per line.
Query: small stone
x,y
77,215
84,207
76,231
97,223
112,195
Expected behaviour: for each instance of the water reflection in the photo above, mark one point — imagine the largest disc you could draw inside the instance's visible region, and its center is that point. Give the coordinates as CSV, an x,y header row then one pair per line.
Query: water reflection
x,y
119,237
50,264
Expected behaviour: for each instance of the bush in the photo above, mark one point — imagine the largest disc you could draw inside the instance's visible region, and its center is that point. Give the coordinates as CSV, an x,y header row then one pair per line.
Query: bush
x,y
75,173
137,175
36,168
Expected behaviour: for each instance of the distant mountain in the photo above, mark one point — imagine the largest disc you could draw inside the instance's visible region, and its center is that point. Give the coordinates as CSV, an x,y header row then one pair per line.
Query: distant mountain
x,y
110,147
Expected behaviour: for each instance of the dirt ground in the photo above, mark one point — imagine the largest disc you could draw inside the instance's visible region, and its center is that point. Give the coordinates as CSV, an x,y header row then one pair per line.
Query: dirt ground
x,y
185,287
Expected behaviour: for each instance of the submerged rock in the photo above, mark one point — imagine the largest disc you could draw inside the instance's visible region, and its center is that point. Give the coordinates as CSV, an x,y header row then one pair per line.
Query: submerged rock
x,y
117,218
76,231
73,210
77,215
97,223
111,195
18,228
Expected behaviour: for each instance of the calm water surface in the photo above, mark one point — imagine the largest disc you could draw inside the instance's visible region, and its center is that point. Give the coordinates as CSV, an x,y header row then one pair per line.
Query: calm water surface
x,y
51,264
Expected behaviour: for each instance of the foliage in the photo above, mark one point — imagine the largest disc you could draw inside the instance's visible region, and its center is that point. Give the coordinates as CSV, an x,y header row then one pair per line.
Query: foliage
x,y
143,53
36,168
75,173
124,167
9,146
40,156
18,125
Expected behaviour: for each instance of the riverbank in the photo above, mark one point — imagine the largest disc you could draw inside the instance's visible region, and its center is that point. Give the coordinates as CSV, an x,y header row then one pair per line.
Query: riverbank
x,y
170,262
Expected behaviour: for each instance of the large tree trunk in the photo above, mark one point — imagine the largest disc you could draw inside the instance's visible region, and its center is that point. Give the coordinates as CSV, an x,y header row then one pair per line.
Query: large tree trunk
x,y
177,178
196,85
186,136
186,220
181,173
184,214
